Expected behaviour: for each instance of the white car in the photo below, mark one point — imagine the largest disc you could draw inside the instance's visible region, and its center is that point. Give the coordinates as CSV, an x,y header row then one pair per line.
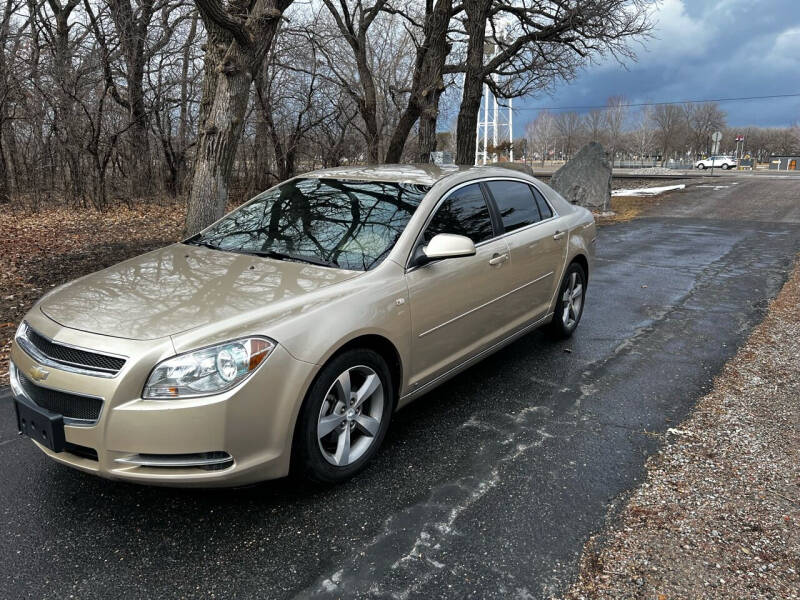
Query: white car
x,y
721,162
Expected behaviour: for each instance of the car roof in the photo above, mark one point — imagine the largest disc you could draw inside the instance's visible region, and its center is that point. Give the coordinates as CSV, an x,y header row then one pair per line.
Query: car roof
x,y
420,174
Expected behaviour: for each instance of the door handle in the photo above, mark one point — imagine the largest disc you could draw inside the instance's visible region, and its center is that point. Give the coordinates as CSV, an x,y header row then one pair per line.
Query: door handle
x,y
498,259
559,234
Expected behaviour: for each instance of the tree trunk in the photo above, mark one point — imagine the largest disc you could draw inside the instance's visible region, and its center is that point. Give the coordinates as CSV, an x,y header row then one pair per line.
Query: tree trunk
x,y
427,132
64,125
5,192
369,109
217,144
183,117
234,54
426,87
467,124
261,178
402,130
132,31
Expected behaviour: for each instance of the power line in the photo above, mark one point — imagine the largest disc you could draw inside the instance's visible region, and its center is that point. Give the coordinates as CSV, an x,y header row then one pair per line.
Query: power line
x,y
638,104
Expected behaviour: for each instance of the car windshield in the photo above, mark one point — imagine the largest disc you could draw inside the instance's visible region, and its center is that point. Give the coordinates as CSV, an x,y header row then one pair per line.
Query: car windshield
x,y
332,222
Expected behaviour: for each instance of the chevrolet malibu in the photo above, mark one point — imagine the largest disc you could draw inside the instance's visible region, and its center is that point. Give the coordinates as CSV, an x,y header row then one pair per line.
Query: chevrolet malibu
x,y
282,338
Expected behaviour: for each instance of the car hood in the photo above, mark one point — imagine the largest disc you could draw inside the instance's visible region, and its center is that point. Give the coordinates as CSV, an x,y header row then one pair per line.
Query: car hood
x,y
182,287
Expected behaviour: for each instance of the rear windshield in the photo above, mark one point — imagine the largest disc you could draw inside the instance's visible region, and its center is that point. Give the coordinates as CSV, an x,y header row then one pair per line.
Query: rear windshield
x,y
339,223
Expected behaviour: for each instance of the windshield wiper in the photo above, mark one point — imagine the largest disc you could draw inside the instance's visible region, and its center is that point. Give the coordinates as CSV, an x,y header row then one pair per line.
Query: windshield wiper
x,y
289,256
199,242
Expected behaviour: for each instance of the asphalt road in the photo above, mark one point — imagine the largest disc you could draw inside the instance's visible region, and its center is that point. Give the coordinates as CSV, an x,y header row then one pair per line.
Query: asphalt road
x,y
487,487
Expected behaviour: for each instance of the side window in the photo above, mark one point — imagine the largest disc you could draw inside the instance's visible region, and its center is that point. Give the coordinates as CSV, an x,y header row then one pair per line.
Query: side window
x,y
515,202
544,207
464,213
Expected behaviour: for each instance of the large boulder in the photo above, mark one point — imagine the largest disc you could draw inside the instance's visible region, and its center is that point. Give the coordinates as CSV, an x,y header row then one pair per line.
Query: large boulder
x,y
586,179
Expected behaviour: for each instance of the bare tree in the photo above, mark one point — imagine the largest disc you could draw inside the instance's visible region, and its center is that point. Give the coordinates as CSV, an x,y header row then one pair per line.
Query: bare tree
x,y
643,133
354,23
239,37
8,89
541,133
595,124
427,83
668,120
569,126
702,120
615,113
535,44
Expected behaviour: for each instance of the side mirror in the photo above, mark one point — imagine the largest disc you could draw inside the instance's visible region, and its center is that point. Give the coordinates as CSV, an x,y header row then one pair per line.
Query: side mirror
x,y
447,245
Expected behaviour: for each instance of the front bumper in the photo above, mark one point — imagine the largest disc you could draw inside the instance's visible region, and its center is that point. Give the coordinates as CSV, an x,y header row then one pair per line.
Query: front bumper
x,y
253,423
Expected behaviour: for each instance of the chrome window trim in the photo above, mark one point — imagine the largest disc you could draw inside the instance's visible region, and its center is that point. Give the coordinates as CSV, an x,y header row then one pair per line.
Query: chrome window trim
x,y
503,235
72,422
32,351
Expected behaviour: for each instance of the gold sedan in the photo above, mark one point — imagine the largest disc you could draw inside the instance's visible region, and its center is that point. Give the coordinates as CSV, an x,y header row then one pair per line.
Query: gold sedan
x,y
283,337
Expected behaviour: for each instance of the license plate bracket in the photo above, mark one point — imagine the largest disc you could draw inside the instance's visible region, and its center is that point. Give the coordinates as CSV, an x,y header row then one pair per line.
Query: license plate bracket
x,y
40,425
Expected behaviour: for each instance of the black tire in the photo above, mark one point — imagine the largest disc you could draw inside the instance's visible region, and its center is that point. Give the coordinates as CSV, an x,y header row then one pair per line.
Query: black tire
x,y
725,167
559,328
308,460
701,166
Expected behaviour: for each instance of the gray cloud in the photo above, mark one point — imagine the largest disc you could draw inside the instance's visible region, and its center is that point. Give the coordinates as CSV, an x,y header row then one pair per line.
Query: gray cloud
x,y
702,49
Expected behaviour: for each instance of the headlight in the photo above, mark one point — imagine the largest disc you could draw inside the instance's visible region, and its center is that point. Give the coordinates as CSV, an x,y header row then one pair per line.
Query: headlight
x,y
207,371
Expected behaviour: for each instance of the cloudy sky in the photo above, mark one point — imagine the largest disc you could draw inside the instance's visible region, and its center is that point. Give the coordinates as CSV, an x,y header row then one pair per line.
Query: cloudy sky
x,y
702,49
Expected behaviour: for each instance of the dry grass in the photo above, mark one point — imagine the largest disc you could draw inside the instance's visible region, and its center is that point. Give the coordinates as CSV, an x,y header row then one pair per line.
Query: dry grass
x,y
627,208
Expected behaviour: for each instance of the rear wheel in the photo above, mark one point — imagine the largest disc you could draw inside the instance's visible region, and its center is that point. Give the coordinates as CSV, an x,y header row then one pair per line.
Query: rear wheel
x,y
701,166
569,304
344,418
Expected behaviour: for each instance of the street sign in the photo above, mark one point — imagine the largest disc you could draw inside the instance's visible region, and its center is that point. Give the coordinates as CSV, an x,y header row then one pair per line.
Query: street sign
x,y
716,136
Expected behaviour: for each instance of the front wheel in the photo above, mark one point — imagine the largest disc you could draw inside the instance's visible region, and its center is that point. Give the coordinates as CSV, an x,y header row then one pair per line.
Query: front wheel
x,y
344,417
701,166
725,167
569,304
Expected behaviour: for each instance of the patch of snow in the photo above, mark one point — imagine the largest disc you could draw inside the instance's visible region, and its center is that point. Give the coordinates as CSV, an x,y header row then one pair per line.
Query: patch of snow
x,y
652,191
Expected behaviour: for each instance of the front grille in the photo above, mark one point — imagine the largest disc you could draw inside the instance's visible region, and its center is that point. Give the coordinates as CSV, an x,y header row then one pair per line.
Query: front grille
x,y
71,406
73,356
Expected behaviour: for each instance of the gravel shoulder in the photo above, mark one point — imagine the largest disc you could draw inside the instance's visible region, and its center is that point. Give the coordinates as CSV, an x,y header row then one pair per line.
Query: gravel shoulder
x,y
718,515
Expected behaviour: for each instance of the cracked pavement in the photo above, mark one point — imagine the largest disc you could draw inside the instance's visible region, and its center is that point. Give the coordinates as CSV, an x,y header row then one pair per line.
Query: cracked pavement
x,y
486,487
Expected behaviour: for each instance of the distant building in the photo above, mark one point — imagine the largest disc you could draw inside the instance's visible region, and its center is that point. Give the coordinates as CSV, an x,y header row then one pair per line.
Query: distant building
x,y
785,163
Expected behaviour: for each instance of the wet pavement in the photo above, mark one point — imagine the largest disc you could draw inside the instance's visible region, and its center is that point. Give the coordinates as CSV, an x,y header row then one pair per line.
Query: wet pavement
x,y
486,487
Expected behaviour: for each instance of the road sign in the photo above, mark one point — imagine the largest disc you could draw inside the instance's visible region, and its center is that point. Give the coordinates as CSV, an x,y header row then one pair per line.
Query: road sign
x,y
716,136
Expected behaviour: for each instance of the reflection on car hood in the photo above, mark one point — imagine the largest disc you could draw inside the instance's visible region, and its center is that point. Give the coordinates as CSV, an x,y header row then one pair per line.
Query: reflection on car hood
x,y
181,287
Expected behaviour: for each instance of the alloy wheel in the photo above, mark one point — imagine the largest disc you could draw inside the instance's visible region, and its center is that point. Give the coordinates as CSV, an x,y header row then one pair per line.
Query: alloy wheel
x,y
350,415
572,300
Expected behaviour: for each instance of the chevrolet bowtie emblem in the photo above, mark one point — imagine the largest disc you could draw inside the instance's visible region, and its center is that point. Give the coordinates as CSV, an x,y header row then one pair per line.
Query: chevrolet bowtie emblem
x,y
38,373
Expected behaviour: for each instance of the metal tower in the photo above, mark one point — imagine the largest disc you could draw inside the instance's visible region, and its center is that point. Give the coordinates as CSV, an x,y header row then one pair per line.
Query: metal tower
x,y
497,124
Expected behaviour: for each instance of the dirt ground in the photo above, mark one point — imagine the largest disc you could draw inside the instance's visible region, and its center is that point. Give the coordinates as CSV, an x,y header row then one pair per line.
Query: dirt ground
x,y
719,513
